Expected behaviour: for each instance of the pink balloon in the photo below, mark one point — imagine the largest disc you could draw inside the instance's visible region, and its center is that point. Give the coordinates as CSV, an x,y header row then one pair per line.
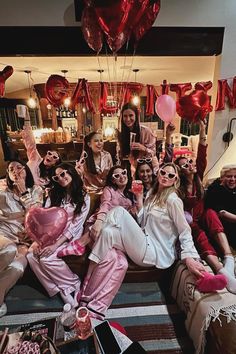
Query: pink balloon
x,y
45,225
165,108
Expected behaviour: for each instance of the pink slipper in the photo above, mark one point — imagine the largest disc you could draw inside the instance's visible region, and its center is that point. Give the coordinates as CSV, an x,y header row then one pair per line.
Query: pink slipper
x,y
74,248
211,283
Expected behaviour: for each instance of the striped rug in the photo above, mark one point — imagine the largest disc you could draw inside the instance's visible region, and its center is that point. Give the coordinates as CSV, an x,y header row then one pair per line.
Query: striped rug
x,y
151,319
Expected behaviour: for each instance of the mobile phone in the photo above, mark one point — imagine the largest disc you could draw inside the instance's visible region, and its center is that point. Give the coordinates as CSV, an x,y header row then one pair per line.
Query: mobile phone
x,y
106,339
134,348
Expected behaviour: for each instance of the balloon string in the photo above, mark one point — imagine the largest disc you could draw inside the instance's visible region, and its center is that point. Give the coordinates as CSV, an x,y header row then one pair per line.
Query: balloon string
x,y
108,70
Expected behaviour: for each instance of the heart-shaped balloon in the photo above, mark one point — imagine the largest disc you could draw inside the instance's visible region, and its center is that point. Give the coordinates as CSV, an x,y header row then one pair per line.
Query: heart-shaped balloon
x,y
113,17
56,89
195,106
45,225
4,75
147,19
91,30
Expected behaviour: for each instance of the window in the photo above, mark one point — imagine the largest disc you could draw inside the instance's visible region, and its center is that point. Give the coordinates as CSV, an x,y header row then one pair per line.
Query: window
x,y
153,118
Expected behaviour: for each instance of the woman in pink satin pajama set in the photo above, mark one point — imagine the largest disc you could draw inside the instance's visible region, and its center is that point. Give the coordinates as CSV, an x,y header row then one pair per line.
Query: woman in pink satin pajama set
x,y
52,271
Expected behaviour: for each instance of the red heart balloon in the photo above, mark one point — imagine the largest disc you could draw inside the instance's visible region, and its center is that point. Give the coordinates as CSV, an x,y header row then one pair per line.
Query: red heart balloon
x,y
91,29
112,18
4,75
45,225
194,107
56,89
118,42
147,19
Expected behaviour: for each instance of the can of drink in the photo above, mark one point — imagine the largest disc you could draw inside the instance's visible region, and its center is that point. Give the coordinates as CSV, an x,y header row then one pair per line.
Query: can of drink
x,y
137,186
83,323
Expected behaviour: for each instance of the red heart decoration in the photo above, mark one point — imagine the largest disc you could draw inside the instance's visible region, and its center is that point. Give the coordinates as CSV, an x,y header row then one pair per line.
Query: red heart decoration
x,y
56,89
4,75
194,107
113,18
147,19
45,225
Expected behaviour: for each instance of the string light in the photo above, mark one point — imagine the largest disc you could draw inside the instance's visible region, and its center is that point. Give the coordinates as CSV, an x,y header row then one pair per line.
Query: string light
x,y
31,101
136,98
67,100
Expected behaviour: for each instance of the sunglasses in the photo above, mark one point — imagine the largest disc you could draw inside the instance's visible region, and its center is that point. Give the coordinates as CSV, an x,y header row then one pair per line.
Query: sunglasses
x,y
187,164
118,175
59,175
168,175
55,157
82,158
148,160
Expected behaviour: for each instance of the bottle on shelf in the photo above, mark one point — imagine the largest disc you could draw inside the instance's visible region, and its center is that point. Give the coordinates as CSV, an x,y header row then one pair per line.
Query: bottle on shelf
x,y
64,113
68,321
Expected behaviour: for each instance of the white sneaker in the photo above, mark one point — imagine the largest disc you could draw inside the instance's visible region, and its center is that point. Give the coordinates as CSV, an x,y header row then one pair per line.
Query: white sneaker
x,y
3,309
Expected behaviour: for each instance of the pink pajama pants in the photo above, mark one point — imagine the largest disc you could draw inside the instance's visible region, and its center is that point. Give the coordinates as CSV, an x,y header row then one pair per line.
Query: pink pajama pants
x,y
103,281
54,273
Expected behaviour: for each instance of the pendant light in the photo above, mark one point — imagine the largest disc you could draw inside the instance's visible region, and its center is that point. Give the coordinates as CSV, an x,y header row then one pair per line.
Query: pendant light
x,y
136,98
31,101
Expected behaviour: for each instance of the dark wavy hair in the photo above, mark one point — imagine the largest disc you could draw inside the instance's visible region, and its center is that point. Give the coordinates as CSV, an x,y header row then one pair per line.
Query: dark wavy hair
x,y
29,179
45,171
124,134
149,164
90,159
183,181
110,182
57,193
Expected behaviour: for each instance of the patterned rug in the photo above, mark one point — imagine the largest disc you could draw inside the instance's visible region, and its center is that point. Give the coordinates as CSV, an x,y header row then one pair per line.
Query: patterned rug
x,y
148,317
151,319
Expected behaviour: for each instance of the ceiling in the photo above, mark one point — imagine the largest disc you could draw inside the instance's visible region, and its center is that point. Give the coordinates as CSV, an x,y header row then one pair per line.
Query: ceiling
x,y
152,69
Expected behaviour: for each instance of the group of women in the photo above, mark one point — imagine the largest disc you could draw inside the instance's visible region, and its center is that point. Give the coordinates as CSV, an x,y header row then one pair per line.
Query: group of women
x,y
108,215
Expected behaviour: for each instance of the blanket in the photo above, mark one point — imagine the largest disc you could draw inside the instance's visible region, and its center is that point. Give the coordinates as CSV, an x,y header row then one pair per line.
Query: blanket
x,y
200,308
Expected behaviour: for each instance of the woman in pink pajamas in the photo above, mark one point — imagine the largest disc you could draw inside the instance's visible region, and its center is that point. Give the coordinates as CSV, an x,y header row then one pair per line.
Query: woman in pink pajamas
x,y
116,192
53,272
41,167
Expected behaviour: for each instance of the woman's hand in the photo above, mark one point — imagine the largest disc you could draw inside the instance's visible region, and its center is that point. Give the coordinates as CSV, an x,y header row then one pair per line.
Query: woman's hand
x,y
35,248
48,250
138,146
20,182
96,229
170,128
22,250
195,267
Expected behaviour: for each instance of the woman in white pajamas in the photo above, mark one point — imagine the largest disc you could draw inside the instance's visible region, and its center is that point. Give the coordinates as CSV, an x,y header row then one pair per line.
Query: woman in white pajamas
x,y
163,224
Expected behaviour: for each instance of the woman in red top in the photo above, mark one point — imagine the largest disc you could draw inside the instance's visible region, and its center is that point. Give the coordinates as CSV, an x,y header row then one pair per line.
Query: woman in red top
x,y
205,221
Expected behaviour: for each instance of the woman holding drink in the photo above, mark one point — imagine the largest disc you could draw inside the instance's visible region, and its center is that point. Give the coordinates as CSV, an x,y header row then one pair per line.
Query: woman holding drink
x,y
135,140
162,222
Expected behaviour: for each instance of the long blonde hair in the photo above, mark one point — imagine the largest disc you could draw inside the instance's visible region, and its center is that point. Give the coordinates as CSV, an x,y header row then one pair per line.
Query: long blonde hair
x,y
159,197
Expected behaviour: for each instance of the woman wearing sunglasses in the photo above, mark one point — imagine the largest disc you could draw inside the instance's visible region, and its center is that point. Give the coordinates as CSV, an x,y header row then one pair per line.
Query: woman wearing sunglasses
x,y
20,195
206,225
162,223
116,192
52,271
41,167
